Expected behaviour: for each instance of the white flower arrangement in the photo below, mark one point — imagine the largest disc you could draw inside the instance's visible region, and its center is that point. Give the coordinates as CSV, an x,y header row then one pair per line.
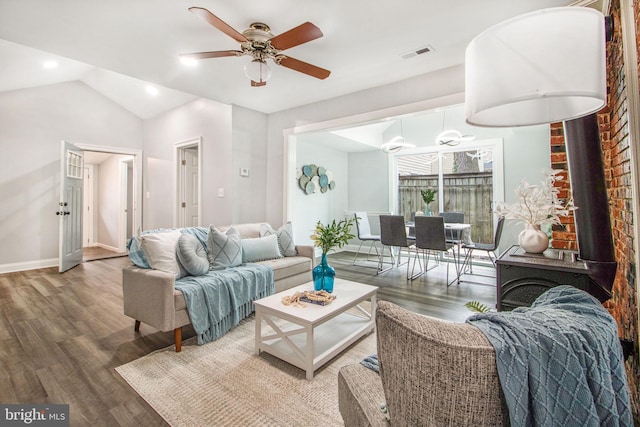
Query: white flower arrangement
x,y
537,204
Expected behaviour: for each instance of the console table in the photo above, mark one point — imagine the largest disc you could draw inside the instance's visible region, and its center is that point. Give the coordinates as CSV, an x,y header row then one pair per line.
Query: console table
x,y
522,277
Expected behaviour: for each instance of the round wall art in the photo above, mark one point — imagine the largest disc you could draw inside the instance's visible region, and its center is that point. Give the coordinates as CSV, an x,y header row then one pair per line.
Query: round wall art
x,y
315,179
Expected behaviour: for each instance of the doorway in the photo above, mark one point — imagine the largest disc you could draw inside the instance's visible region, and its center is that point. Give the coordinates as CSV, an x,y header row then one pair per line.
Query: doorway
x,y
188,183
118,208
108,204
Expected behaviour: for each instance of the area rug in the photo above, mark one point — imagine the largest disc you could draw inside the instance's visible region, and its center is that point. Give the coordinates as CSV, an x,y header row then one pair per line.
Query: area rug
x,y
224,383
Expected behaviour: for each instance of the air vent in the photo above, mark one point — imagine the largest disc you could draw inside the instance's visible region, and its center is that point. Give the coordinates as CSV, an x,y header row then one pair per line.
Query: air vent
x,y
416,52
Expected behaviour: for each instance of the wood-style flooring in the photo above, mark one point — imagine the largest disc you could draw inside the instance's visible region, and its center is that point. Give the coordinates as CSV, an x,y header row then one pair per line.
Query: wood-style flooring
x,y
62,335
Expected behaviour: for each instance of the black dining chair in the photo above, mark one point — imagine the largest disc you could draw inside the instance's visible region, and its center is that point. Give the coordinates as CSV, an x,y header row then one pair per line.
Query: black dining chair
x,y
393,234
489,248
430,238
363,229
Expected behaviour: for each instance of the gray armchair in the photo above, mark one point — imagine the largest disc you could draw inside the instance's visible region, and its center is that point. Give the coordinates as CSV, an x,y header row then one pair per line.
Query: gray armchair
x,y
432,373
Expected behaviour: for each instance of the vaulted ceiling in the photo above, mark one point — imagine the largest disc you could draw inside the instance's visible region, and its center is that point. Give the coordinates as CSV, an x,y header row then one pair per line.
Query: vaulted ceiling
x,y
118,47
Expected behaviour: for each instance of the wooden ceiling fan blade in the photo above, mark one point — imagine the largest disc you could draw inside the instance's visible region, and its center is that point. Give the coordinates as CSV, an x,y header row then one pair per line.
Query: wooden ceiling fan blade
x,y
218,23
303,67
296,36
214,54
257,84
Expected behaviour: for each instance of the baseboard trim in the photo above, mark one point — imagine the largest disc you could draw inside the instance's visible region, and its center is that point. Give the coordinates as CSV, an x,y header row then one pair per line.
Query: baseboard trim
x,y
107,247
29,265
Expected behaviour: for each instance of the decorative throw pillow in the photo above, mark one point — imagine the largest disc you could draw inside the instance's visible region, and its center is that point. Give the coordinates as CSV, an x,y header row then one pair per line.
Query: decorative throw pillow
x,y
260,249
160,251
192,255
225,249
285,237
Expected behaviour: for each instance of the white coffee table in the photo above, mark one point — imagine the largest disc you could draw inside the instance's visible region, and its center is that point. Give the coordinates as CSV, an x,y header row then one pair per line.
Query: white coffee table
x,y
315,334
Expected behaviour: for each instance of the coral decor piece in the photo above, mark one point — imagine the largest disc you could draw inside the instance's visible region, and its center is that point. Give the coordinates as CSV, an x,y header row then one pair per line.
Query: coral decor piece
x,y
537,204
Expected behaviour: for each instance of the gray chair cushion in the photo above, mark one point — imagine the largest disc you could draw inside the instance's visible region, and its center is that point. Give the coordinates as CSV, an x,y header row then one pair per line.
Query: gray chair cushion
x,y
192,255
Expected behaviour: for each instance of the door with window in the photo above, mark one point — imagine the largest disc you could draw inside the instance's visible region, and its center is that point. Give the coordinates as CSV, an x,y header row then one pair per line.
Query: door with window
x,y
70,206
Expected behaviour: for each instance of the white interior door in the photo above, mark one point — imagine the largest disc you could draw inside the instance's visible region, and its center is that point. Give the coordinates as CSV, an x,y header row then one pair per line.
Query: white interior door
x,y
70,208
87,222
188,184
191,190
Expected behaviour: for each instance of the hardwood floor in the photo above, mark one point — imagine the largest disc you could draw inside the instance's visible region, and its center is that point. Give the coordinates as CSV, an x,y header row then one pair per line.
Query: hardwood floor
x,y
93,253
62,335
428,294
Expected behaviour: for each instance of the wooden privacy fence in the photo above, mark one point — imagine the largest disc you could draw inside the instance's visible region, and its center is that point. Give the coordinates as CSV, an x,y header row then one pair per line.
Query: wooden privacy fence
x,y
470,193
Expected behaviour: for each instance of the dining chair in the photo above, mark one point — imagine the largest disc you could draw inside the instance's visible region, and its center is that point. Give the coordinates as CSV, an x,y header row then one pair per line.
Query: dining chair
x,y
453,218
393,234
363,229
489,248
430,237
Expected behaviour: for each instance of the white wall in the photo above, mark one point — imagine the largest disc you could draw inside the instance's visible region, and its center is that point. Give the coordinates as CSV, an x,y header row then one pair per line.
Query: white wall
x,y
308,209
201,118
249,151
108,203
32,124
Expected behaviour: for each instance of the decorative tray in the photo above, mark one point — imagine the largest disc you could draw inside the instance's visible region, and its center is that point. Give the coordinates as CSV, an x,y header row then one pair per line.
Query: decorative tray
x,y
318,302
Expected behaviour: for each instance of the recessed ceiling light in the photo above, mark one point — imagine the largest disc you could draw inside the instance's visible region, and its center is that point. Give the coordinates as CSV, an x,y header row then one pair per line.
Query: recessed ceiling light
x,y
189,62
152,90
50,64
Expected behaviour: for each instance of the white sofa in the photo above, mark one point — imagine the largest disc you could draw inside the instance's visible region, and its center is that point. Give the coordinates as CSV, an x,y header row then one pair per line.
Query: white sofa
x,y
150,296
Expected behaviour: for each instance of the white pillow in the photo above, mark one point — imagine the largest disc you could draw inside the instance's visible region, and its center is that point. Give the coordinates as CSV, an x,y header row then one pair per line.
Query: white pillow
x,y
260,249
285,237
160,251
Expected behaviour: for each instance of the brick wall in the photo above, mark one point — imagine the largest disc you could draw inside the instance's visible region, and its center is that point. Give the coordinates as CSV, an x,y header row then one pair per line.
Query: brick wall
x,y
614,133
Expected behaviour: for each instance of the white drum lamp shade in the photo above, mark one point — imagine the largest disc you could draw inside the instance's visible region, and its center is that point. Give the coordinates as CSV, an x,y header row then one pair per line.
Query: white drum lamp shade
x,y
541,67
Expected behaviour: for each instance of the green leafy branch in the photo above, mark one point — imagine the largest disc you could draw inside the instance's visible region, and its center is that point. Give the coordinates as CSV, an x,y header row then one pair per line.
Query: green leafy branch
x,y
333,235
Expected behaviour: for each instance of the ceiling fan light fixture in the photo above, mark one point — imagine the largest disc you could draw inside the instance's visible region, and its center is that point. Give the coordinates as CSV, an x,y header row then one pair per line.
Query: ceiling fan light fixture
x,y
258,71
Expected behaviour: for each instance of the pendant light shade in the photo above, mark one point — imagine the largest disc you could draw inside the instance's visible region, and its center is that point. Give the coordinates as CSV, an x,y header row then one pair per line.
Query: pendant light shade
x,y
545,66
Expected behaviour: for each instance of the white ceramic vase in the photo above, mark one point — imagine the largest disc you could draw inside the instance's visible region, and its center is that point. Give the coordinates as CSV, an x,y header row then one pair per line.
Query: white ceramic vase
x,y
533,240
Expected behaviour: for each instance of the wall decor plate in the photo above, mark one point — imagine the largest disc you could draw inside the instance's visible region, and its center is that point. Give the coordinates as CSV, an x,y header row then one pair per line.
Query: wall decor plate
x,y
311,188
314,170
307,170
321,171
316,182
303,181
324,181
332,185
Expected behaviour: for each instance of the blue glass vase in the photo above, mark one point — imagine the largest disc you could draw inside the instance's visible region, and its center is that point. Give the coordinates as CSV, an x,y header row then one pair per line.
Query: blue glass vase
x,y
323,275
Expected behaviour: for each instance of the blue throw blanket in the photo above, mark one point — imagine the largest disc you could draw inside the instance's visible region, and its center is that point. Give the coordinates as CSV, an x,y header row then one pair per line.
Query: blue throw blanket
x,y
220,299
560,361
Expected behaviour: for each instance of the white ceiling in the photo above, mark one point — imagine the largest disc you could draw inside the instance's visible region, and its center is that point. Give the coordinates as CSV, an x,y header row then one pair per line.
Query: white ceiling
x,y
129,44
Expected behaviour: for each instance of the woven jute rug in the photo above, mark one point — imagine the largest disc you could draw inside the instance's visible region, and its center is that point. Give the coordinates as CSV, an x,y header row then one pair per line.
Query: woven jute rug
x,y
224,383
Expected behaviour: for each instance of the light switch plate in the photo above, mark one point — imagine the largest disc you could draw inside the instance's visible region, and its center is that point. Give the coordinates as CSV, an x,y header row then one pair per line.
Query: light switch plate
x,y
244,171
220,192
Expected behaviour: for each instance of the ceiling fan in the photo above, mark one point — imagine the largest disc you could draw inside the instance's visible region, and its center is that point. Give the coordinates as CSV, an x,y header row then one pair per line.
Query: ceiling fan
x,y
258,42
